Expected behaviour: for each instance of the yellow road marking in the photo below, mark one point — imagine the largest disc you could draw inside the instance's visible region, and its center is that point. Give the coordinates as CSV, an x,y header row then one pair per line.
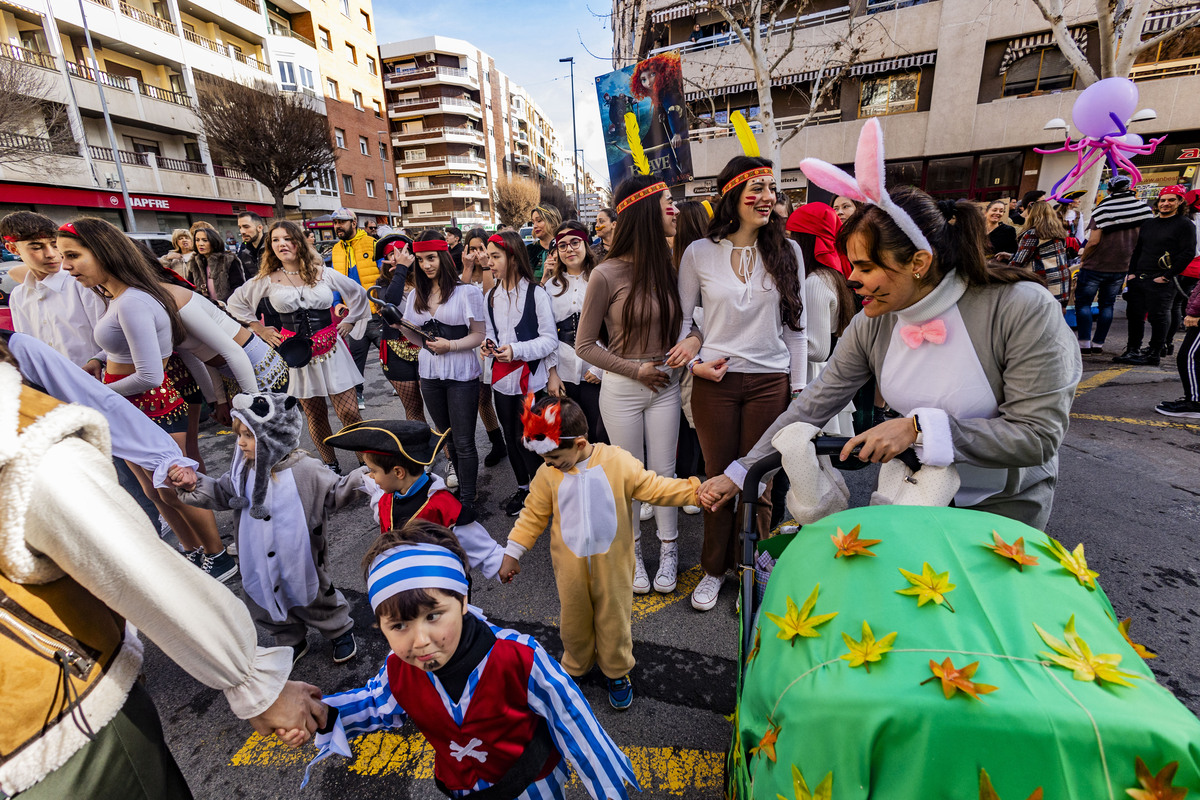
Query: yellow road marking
x,y
646,604
676,771
1153,423
1099,379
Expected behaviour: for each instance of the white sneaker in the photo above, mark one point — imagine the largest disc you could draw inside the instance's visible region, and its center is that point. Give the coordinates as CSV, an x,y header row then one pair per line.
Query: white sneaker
x,y
704,596
451,476
692,510
641,581
668,567
647,511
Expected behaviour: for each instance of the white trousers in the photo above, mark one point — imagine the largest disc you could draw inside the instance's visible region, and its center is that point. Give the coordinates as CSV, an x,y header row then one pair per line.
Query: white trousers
x,y
645,424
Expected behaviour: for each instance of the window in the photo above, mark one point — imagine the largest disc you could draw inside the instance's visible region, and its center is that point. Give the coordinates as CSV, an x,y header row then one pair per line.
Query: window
x,y
1045,70
371,68
277,25
1185,44
378,108
326,39
287,75
366,20
145,146
370,188
351,53
383,151
346,7
306,78
889,94
348,184
422,209
417,154
364,146
339,136
331,88
358,100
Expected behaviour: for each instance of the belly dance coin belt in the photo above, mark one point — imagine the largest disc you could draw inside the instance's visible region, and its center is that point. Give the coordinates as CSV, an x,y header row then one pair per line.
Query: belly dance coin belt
x,y
318,325
163,404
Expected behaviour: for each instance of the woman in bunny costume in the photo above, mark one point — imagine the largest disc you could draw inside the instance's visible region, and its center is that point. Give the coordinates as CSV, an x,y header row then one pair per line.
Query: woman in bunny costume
x,y
977,358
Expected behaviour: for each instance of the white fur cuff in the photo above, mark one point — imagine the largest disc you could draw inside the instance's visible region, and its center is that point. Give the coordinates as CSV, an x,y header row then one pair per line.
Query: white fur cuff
x,y
937,449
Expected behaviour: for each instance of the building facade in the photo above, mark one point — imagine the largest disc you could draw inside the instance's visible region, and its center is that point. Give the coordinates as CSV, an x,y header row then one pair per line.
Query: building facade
x,y
457,124
964,89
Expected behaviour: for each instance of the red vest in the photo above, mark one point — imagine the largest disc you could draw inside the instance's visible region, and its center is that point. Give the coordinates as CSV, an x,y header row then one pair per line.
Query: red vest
x,y
498,716
442,508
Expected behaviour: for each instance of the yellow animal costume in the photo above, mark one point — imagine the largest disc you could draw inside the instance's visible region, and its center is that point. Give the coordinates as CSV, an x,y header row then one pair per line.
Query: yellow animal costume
x,y
591,547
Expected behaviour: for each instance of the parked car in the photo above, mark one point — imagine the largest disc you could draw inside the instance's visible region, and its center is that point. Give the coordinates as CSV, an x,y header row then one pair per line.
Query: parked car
x,y
160,243
527,233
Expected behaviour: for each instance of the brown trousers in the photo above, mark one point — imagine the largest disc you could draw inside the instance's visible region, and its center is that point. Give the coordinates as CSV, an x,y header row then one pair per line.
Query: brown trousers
x,y
730,417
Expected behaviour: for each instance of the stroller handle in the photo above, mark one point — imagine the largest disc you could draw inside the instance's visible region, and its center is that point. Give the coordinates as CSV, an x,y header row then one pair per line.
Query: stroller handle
x,y
826,446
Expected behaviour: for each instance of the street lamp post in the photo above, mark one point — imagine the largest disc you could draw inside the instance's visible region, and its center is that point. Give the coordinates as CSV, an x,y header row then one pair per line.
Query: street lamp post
x,y
574,135
383,157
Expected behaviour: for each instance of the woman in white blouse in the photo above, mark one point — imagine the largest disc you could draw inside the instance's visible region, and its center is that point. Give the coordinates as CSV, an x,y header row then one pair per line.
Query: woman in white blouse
x,y
300,287
747,276
567,285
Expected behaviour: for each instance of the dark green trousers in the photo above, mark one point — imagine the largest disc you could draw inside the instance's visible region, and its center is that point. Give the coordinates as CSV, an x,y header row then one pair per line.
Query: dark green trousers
x,y
128,760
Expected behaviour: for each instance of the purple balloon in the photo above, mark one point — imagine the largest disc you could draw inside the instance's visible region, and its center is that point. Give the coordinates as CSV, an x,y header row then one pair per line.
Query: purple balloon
x,y
1112,95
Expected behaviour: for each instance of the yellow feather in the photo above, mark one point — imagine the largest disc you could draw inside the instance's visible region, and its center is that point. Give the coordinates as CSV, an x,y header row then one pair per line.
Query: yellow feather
x,y
640,162
744,134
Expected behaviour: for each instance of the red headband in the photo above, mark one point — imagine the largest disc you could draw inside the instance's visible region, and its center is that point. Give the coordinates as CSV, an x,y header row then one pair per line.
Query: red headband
x,y
69,227
396,245
567,233
747,175
431,246
641,195
1180,191
499,241
8,238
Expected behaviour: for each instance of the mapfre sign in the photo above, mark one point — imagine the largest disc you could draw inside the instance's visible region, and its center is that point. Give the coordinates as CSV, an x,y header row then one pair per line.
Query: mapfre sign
x,y
156,203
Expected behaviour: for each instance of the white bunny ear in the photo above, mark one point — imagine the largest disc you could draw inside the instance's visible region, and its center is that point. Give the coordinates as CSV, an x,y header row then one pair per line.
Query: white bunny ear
x,y
832,179
868,161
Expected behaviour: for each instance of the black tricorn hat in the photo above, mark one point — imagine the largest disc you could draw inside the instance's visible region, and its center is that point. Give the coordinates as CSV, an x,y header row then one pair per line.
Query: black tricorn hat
x,y
390,437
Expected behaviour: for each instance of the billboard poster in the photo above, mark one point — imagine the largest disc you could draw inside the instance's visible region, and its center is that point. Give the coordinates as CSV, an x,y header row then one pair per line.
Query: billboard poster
x,y
653,91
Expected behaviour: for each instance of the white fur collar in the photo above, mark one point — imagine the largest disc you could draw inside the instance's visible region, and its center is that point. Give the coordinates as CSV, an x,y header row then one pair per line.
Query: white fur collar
x,y
943,297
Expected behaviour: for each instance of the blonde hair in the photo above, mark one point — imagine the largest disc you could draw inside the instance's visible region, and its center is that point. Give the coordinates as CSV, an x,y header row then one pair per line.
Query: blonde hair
x,y
550,215
1040,216
311,263
178,232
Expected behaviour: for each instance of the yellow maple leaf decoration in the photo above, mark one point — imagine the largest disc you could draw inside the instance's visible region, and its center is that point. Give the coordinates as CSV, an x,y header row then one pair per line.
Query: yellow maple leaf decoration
x,y
800,789
799,623
1141,650
1074,562
987,792
1075,655
1156,787
863,652
766,745
848,544
1015,551
955,679
929,585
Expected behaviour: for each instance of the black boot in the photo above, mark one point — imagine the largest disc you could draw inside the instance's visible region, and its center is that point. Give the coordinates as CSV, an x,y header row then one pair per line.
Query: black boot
x,y
498,452
1132,355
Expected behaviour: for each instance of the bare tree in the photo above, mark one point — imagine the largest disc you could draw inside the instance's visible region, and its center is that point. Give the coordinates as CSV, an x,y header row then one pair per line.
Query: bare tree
x,y
278,138
515,199
32,127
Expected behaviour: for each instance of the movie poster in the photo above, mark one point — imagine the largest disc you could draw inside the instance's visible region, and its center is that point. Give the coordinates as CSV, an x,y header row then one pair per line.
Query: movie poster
x,y
653,91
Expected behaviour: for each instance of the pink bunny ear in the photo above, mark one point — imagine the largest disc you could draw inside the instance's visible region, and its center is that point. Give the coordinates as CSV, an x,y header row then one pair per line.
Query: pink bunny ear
x,y
868,161
832,179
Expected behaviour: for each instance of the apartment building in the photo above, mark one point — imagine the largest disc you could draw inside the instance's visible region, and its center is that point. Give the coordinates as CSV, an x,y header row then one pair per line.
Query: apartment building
x,y
150,55
963,89
458,123
350,81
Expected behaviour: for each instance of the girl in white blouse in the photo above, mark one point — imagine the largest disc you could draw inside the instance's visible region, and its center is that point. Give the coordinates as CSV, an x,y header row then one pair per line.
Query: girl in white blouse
x,y
747,276
300,287
567,284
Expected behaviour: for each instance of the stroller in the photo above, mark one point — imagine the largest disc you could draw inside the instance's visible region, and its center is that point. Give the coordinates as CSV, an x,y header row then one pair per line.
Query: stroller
x,y
905,651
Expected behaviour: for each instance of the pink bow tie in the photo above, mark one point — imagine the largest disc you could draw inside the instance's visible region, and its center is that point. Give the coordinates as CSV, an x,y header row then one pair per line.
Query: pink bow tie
x,y
933,332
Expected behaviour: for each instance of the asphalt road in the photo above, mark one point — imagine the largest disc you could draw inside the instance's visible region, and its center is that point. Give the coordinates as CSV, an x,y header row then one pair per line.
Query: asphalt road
x,y
1128,487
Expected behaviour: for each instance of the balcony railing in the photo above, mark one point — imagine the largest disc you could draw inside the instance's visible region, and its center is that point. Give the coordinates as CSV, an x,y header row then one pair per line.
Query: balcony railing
x,y
437,133
446,190
421,73
784,124
146,18
105,3
127,157
35,57
86,73
781,26
876,6
165,95
225,50
222,171
453,102
1175,68
180,165
37,144
204,41
251,61
250,4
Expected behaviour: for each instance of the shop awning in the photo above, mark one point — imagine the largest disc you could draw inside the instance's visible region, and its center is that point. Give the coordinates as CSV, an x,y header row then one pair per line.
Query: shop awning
x,y
1019,48
869,68
98,198
897,64
1159,21
686,9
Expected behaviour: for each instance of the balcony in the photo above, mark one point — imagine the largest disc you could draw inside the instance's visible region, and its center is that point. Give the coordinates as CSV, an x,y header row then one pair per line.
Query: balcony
x,y
450,162
785,125
251,61
145,17
465,135
1175,68
250,4
165,95
34,57
84,72
127,157
781,27
222,171
180,165
422,76
421,106
37,144
473,190
205,42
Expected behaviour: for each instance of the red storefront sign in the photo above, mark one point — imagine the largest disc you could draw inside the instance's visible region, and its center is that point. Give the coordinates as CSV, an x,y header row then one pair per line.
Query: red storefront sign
x,y
96,198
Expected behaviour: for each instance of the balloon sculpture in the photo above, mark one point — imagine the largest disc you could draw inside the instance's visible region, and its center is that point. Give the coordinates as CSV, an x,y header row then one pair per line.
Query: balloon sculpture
x,y
1100,114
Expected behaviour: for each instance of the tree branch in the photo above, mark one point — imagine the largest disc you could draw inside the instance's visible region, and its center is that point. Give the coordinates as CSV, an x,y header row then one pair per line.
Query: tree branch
x,y
1052,11
1189,22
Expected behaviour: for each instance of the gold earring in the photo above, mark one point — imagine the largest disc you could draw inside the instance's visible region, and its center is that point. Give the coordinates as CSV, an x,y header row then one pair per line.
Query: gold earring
x,y
917,276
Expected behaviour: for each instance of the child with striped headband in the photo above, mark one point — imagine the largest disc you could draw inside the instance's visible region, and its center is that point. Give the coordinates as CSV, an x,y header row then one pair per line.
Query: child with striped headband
x,y
502,716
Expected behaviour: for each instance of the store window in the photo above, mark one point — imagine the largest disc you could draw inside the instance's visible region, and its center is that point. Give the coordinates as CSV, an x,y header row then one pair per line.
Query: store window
x,y
889,94
1046,70
905,173
998,175
949,175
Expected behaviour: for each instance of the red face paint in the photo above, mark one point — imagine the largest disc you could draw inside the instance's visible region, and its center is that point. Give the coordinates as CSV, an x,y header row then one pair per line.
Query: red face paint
x,y
750,200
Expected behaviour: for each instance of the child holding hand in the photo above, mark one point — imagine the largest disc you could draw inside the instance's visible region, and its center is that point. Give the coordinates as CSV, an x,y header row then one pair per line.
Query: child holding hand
x,y
586,491
502,717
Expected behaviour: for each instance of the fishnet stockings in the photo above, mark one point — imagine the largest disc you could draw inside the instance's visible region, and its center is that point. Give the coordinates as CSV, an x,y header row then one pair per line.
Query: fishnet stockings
x,y
487,412
410,396
345,405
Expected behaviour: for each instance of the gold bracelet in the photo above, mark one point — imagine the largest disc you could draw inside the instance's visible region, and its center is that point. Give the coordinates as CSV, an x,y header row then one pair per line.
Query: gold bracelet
x,y
916,426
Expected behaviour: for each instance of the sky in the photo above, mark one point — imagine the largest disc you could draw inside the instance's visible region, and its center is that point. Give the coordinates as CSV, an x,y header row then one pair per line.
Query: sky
x,y
509,33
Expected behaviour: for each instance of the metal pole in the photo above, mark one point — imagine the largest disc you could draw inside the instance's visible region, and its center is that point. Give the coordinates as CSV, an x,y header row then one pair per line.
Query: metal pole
x,y
574,135
112,137
383,157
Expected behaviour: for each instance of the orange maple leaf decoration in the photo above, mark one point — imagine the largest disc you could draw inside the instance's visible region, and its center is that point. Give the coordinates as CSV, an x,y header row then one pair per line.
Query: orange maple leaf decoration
x,y
1015,551
988,792
848,544
1156,787
1141,650
955,680
766,744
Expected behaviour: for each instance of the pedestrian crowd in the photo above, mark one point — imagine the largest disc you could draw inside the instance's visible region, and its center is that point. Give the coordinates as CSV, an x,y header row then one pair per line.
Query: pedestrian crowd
x,y
623,375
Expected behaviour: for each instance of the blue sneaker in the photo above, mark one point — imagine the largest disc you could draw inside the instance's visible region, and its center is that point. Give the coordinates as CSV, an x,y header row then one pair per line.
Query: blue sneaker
x,y
620,693
344,648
